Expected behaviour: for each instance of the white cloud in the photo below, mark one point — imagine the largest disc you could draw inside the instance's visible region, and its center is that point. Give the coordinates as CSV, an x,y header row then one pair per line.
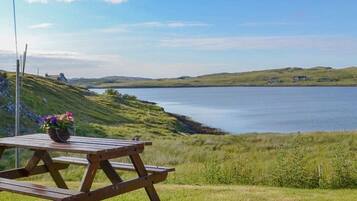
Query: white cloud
x,y
152,25
46,1
116,1
259,24
67,1
41,26
169,24
37,1
262,42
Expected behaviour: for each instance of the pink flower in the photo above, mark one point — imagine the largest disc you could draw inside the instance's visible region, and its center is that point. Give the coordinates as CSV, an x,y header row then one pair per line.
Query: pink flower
x,y
69,116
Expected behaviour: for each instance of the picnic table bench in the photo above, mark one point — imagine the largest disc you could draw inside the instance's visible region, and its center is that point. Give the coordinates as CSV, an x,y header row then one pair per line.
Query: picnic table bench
x,y
98,153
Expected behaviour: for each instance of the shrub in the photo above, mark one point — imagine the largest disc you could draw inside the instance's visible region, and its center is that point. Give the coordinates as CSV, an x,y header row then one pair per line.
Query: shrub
x,y
237,172
112,92
3,75
291,170
344,172
129,97
212,172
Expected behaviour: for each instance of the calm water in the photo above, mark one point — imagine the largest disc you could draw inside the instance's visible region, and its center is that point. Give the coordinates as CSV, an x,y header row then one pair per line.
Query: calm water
x,y
250,109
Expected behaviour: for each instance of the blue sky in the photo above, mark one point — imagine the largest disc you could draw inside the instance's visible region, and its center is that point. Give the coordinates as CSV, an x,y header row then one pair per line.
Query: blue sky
x,y
161,38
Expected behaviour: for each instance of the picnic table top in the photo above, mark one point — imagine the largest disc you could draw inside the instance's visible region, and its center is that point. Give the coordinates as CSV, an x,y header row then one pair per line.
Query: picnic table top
x,y
76,144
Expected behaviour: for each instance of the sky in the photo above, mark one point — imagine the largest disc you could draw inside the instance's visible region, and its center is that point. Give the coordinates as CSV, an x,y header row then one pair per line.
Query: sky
x,y
162,38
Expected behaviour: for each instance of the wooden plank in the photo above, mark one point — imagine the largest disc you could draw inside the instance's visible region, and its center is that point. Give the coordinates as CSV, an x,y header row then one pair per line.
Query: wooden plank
x,y
35,190
22,172
73,144
57,178
140,169
115,165
120,152
110,172
89,175
19,140
53,146
119,188
91,139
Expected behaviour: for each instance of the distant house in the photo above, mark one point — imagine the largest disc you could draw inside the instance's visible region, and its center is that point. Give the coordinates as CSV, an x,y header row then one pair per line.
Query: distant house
x,y
60,77
300,78
274,80
184,77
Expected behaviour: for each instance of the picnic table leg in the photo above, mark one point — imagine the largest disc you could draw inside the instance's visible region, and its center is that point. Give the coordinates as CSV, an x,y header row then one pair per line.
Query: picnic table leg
x,y
33,162
2,149
89,175
110,172
57,178
47,160
140,169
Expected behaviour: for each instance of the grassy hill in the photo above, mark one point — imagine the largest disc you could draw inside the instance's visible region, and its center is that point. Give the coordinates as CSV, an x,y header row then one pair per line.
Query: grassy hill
x,y
95,114
318,76
88,82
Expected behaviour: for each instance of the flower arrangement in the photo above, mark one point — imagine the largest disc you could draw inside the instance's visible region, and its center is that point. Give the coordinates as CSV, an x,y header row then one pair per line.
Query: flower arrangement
x,y
59,127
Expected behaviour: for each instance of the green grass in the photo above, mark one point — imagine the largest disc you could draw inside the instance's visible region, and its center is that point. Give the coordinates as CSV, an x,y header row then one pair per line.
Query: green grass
x,y
264,160
223,193
282,77
92,112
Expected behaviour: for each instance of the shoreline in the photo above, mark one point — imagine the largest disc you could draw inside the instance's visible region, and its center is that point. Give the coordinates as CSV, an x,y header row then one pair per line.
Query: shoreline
x,y
194,127
218,86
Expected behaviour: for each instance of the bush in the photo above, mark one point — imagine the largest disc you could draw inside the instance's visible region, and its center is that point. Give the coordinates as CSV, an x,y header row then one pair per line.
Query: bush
x,y
3,75
120,97
344,173
112,92
212,172
237,172
292,171
129,97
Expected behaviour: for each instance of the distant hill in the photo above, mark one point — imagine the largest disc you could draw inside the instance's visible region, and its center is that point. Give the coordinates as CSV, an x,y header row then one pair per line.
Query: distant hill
x,y
89,82
291,76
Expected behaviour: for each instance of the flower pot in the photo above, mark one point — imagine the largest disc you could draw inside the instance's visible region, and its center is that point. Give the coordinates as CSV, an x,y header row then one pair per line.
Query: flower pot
x,y
59,135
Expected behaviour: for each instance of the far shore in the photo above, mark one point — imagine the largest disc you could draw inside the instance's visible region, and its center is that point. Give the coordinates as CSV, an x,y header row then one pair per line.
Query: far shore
x,y
210,86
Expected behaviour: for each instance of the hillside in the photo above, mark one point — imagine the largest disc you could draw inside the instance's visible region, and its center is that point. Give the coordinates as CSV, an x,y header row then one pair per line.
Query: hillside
x,y
318,76
95,114
89,82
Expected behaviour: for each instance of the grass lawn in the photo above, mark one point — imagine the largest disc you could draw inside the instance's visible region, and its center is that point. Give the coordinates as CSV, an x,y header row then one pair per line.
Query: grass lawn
x,y
224,193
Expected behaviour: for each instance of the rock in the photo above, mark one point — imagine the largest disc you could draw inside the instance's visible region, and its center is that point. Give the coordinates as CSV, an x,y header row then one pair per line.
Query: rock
x,y
61,77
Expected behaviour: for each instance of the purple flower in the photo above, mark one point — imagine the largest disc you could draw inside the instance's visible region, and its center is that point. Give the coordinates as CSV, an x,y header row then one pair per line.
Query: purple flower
x,y
53,120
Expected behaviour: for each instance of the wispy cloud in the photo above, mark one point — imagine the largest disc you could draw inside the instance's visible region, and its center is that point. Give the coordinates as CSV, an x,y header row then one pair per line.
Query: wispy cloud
x,y
47,1
152,25
41,26
37,1
169,24
260,24
263,42
116,1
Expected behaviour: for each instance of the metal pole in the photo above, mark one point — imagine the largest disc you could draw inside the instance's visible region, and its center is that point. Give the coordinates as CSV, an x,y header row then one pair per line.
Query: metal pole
x,y
17,101
17,111
24,61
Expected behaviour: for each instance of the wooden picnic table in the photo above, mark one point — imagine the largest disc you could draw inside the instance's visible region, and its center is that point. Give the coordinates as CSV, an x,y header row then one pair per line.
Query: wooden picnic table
x,y
98,152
